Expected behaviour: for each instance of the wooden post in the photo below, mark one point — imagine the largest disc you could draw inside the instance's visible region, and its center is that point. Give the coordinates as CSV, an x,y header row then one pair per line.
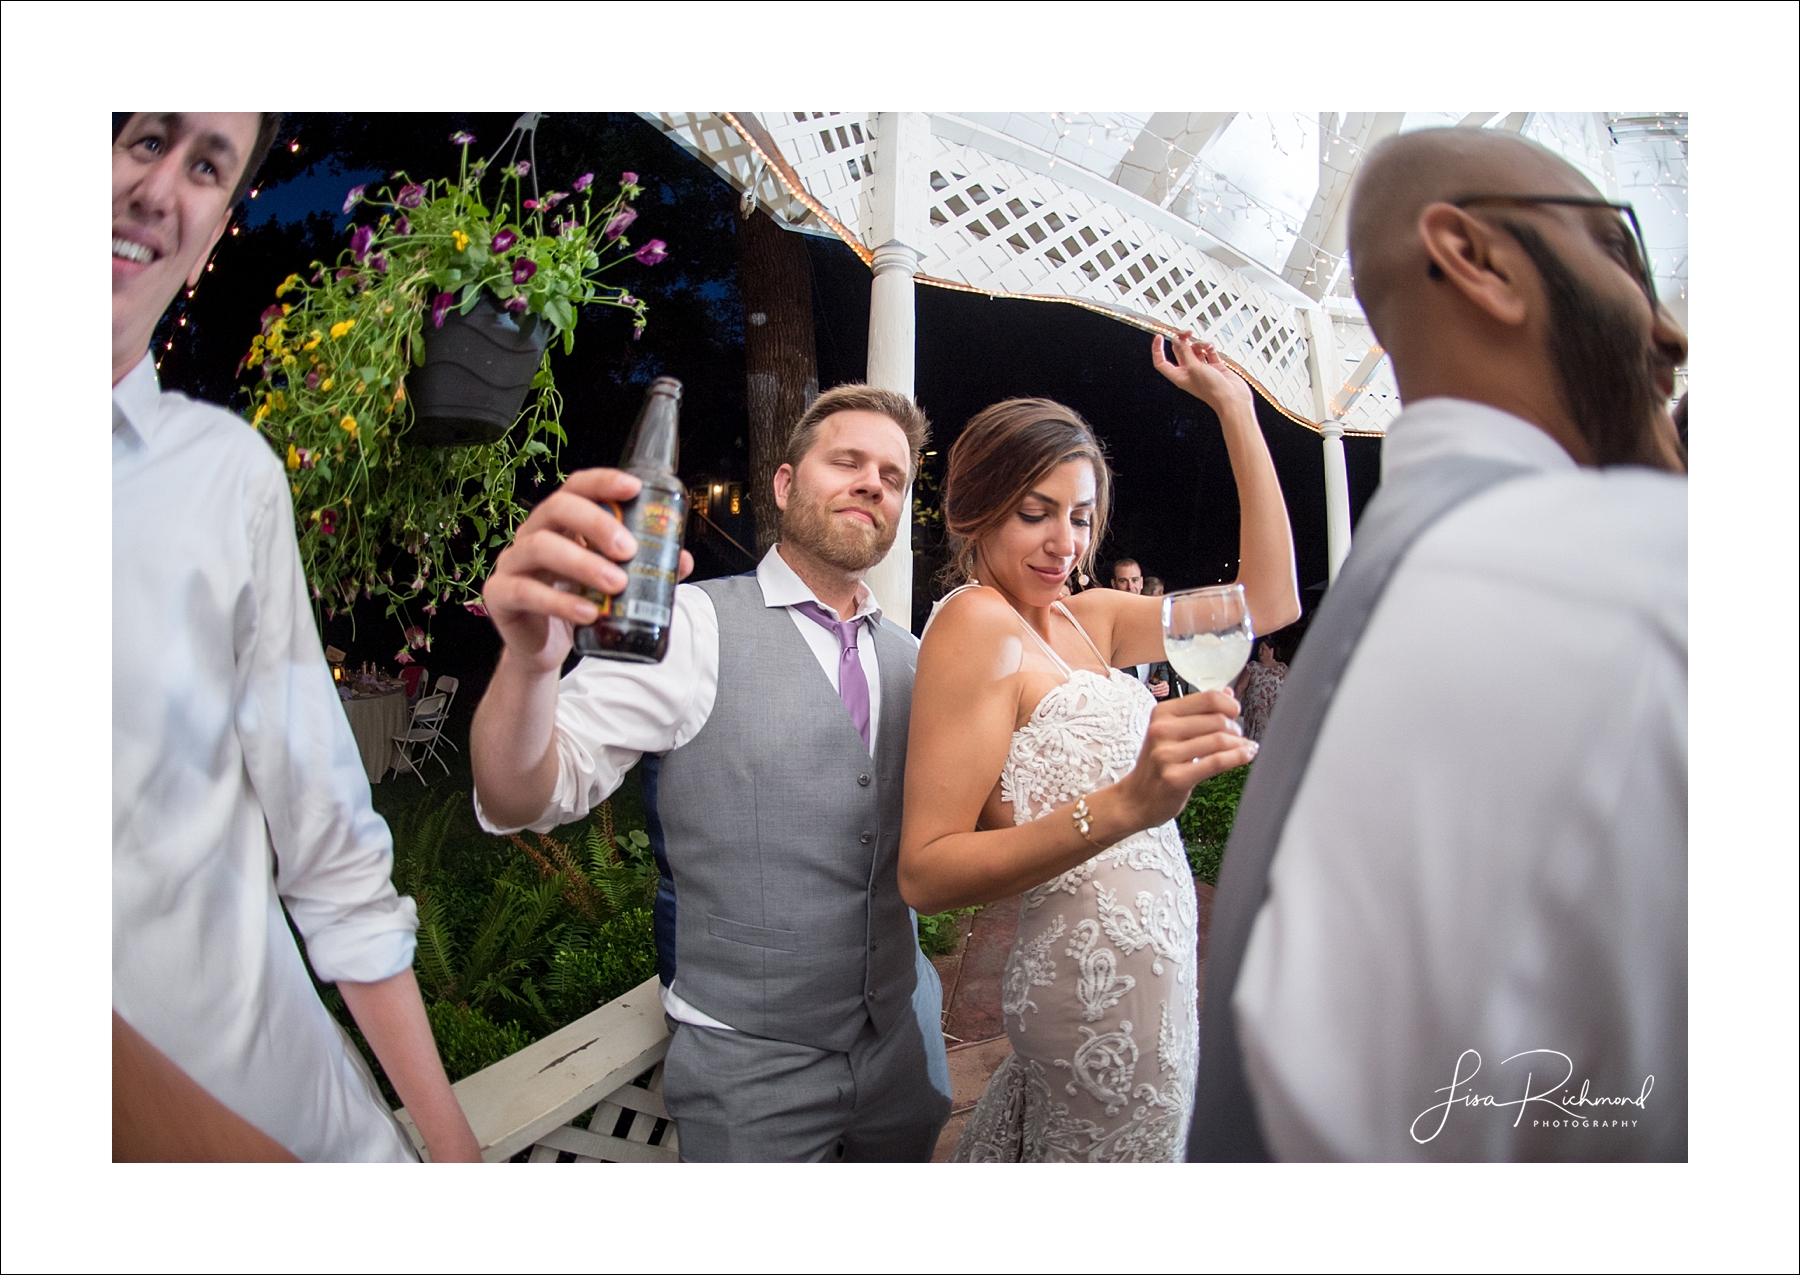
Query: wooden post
x,y
780,360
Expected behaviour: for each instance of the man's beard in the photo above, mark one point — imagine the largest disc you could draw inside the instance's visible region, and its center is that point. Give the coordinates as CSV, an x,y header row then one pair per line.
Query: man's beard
x,y
846,543
1605,364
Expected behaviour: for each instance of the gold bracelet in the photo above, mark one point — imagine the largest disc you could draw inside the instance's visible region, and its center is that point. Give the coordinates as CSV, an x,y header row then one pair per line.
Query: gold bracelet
x,y
1084,822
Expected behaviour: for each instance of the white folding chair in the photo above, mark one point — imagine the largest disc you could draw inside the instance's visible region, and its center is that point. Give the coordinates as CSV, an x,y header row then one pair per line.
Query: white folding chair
x,y
447,685
420,741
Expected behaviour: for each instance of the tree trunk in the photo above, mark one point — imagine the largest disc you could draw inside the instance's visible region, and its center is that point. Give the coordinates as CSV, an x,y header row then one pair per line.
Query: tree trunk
x,y
775,276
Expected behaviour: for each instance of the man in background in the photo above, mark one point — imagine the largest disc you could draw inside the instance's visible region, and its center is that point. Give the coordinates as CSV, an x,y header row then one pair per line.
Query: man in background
x,y
1452,919
1128,577
237,787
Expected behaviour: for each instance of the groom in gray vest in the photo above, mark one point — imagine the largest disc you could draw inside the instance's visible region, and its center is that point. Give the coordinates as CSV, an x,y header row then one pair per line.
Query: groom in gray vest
x,y
773,736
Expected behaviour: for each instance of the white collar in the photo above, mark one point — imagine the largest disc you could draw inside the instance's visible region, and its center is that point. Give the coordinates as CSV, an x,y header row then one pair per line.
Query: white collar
x,y
1434,428
137,399
783,587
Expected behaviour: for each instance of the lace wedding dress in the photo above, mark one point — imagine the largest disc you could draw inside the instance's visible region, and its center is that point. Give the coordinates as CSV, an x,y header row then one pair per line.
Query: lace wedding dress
x,y
1099,993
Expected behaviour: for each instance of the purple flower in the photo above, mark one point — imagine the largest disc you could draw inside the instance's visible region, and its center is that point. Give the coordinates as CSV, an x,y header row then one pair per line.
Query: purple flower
x,y
584,181
627,179
475,608
554,198
415,637
621,220
519,169
380,262
354,197
523,269
410,196
504,240
270,315
402,226
460,138
652,252
517,305
531,205
312,379
566,227
346,272
440,307
359,243
328,522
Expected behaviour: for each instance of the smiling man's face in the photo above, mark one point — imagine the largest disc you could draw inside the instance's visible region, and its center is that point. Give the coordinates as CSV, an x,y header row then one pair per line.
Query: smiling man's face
x,y
844,503
173,178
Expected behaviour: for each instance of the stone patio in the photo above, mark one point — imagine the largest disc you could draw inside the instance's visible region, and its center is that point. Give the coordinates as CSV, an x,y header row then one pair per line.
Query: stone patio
x,y
974,1030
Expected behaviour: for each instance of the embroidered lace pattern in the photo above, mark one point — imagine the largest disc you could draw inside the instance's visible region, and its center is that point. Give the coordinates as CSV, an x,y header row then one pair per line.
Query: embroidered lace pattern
x,y
1099,991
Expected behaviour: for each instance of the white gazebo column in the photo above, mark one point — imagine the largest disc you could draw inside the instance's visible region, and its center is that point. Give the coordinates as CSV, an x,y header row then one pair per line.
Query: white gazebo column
x,y
1337,499
901,209
1322,367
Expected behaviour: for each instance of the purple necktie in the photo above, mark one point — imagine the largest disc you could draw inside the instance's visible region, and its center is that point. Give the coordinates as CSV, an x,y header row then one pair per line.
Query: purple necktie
x,y
853,683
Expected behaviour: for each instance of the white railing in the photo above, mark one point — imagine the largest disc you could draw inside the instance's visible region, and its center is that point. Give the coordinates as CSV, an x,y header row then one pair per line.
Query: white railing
x,y
608,1063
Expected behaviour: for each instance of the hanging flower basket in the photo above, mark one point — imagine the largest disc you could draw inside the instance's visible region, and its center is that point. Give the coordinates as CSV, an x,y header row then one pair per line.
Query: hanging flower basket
x,y
408,386
478,369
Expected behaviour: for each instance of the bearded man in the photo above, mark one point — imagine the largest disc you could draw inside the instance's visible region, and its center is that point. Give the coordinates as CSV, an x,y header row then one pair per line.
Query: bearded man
x,y
773,735
1452,919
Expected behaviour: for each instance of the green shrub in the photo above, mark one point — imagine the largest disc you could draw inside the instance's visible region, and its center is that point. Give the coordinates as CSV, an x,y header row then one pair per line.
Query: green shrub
x,y
939,931
469,1040
1206,820
587,973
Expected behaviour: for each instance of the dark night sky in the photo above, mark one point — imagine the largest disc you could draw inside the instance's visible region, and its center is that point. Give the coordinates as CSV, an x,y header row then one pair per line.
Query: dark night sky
x,y
1176,506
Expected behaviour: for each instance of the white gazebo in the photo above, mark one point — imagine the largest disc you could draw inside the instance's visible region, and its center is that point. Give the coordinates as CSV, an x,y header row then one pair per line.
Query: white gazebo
x,y
1226,224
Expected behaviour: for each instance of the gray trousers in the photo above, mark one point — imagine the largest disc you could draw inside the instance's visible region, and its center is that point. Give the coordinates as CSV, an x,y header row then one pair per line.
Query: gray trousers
x,y
737,1097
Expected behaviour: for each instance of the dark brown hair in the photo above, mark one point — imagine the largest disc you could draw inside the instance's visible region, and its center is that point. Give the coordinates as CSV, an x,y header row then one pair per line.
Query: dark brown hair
x,y
1003,453
856,397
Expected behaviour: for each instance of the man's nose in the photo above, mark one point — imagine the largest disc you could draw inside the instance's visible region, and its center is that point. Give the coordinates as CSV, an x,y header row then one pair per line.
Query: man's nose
x,y
1669,337
153,193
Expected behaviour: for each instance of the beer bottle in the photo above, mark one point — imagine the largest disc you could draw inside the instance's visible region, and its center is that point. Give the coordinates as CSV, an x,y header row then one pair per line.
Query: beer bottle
x,y
634,625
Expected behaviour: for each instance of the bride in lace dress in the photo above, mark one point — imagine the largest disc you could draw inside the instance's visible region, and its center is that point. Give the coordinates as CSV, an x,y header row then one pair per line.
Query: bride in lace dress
x,y
1036,767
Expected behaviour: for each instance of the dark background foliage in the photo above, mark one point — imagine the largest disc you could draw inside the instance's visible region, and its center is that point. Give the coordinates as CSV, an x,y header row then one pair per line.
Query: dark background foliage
x,y
1176,510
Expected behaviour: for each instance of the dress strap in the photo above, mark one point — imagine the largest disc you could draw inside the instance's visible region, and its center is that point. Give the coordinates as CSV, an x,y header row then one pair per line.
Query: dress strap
x,y
938,606
1104,662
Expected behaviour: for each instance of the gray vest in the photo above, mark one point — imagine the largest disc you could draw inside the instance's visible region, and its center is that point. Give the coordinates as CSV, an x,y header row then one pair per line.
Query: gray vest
x,y
1225,1125
778,838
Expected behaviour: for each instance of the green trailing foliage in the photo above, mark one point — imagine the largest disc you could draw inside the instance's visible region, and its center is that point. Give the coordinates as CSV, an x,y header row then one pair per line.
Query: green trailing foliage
x,y
1205,822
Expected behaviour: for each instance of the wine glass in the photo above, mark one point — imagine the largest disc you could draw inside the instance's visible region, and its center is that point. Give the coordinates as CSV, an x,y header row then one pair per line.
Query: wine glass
x,y
1207,635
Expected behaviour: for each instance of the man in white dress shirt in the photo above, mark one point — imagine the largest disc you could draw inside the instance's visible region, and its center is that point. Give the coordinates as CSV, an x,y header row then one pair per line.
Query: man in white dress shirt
x,y
1473,944
237,787
773,736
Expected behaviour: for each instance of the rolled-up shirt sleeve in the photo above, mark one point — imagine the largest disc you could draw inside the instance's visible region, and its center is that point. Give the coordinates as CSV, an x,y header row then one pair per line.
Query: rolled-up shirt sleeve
x,y
609,713
333,853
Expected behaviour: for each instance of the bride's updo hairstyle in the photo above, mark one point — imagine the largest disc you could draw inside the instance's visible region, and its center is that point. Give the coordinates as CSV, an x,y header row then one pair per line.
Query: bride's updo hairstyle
x,y
1003,453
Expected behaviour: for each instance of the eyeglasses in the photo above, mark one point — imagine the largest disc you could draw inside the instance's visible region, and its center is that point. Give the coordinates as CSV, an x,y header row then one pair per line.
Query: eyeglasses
x,y
1640,266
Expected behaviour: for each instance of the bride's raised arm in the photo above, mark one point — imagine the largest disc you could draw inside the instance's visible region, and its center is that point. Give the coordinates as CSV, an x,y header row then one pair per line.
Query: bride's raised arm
x,y
1265,540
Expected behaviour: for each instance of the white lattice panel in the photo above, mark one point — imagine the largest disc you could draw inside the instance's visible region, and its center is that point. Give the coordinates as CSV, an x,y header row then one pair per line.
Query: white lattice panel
x,y
1000,228
1379,402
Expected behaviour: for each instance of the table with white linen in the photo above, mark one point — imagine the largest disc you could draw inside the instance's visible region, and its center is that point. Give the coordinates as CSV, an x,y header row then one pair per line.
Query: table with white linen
x,y
375,720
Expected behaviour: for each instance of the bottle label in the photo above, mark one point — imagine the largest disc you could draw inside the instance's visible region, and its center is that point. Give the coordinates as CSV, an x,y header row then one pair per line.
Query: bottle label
x,y
656,521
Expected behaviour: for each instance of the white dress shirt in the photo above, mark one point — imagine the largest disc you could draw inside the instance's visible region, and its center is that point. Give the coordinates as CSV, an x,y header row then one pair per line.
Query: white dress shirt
x,y
1489,850
237,787
609,713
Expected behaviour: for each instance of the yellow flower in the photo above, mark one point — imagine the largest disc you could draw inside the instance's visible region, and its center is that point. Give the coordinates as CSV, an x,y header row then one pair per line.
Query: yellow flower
x,y
342,326
460,239
293,460
289,361
280,401
362,387
287,285
348,425
317,336
326,383
262,412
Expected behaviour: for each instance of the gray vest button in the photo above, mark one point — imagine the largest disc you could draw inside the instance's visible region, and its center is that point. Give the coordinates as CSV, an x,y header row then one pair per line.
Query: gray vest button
x,y
863,780
866,838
